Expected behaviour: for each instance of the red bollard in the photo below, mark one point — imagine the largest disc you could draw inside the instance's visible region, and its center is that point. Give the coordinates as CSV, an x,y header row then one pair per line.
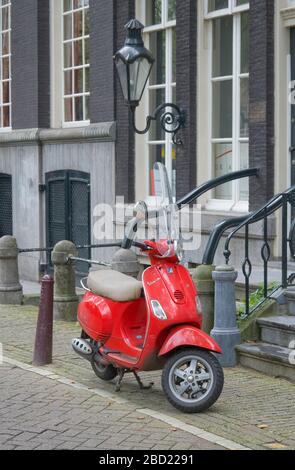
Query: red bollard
x,y
44,332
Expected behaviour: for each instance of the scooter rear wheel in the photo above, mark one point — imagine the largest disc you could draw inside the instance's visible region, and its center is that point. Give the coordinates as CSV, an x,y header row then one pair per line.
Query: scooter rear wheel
x,y
103,372
192,380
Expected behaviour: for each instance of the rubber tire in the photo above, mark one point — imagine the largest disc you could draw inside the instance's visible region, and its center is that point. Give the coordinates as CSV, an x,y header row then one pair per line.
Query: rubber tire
x,y
106,373
213,395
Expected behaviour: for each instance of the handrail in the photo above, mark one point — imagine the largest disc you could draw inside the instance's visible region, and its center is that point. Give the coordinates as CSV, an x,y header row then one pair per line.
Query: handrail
x,y
268,209
279,201
204,188
215,237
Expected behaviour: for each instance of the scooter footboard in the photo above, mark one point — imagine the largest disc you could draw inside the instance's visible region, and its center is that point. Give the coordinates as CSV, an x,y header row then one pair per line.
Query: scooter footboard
x,y
187,335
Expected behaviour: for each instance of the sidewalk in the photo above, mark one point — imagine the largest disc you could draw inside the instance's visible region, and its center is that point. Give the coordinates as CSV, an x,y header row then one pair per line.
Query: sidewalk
x,y
254,411
38,413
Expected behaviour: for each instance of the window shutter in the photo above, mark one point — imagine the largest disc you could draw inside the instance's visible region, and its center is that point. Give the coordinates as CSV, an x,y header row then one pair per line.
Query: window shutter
x,y
68,210
56,208
5,205
79,196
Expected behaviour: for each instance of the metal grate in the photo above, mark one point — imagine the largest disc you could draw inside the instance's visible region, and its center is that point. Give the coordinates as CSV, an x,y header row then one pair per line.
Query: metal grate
x,y
56,212
5,205
178,295
79,193
80,218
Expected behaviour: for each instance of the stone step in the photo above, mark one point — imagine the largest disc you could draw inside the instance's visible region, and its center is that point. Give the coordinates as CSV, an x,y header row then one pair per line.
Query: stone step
x,y
290,298
278,330
267,358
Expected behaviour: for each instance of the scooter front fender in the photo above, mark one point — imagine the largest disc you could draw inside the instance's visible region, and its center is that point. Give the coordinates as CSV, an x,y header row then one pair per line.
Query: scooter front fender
x,y
187,335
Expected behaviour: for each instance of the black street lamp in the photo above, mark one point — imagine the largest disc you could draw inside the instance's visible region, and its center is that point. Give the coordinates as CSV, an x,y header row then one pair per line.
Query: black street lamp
x,y
134,64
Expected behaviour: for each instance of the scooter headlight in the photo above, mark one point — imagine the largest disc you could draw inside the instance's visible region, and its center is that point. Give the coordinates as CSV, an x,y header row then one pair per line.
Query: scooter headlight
x,y
158,310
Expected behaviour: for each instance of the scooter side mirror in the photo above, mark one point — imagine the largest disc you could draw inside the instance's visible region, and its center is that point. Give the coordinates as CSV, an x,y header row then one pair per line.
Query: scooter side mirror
x,y
140,211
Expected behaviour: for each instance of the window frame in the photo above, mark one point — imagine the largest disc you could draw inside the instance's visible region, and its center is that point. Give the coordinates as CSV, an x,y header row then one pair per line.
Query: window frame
x,y
230,10
234,204
169,85
85,122
9,104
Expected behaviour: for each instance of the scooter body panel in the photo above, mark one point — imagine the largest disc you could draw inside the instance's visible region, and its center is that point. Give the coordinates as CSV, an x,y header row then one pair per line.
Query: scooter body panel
x,y
117,326
131,335
171,286
187,335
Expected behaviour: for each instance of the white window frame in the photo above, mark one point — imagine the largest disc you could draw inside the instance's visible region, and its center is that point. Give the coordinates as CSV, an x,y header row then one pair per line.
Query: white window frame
x,y
8,128
235,204
232,8
82,123
168,86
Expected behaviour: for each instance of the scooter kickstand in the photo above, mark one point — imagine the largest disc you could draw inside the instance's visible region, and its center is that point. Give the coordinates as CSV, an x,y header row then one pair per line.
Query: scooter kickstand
x,y
119,380
140,383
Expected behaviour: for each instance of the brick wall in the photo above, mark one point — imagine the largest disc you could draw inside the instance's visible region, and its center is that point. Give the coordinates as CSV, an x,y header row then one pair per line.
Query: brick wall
x,y
186,92
102,37
30,64
125,146
262,100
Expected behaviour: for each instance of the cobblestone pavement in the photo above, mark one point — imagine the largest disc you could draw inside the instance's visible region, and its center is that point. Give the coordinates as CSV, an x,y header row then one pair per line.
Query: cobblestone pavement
x,y
254,410
38,413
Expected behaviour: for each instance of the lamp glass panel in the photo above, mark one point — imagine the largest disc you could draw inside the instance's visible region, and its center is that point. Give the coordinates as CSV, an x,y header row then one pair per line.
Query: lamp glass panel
x,y
122,73
139,73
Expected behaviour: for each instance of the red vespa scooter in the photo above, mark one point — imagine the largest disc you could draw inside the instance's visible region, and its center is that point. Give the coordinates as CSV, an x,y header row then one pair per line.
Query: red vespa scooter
x,y
133,326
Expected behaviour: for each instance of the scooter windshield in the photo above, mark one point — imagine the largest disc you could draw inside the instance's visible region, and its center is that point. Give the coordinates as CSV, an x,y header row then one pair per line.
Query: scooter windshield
x,y
167,223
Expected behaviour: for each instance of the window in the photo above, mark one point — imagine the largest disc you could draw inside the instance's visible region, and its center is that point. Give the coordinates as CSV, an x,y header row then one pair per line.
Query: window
x,y
75,33
5,65
159,17
229,83
215,8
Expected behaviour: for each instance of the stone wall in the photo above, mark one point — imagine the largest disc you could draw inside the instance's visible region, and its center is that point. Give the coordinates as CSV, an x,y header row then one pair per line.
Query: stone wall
x,y
29,155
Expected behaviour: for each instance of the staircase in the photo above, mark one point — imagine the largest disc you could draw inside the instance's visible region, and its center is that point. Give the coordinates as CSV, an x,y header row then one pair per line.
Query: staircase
x,y
273,354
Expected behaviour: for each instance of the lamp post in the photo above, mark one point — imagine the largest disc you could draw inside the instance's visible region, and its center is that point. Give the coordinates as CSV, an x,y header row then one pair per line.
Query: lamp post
x,y
134,64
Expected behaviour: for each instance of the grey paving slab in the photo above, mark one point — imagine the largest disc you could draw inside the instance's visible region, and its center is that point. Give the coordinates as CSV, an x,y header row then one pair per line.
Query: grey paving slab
x,y
254,410
96,434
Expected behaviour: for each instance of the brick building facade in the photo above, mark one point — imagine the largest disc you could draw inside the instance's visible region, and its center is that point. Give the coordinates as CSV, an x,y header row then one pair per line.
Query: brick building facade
x,y
66,140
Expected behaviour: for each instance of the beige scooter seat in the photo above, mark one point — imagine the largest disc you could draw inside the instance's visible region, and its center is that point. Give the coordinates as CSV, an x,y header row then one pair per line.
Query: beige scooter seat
x,y
114,285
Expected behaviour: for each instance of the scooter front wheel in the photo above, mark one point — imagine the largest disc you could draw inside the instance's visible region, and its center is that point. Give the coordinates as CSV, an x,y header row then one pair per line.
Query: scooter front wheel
x,y
104,372
192,380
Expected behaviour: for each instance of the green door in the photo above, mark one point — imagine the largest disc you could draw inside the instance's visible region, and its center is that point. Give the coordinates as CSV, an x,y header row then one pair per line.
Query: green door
x,y
68,211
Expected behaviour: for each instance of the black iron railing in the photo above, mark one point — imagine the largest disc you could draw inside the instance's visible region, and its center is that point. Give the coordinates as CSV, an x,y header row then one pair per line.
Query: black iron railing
x,y
281,202
79,247
48,250
212,184
222,227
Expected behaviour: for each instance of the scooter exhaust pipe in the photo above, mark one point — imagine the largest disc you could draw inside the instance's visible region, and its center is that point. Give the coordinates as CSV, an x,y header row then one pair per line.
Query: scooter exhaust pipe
x,y
83,348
